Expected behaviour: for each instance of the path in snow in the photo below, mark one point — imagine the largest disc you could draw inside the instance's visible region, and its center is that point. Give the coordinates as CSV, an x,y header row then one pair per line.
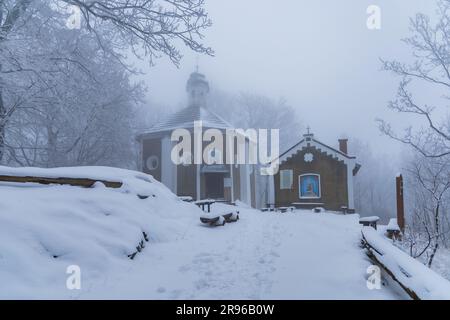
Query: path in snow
x,y
297,255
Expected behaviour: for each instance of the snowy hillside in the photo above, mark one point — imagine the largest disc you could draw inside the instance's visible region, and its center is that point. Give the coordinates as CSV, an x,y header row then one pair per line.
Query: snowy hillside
x,y
44,229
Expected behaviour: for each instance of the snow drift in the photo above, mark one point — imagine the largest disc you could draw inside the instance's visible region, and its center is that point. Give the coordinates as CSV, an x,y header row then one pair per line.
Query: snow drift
x,y
46,228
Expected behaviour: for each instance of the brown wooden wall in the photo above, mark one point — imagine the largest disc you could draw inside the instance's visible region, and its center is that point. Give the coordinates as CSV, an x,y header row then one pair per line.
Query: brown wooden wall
x,y
236,182
186,180
333,180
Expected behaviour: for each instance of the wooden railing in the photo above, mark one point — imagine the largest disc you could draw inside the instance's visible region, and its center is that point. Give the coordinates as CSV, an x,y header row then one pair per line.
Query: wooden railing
x,y
414,278
80,182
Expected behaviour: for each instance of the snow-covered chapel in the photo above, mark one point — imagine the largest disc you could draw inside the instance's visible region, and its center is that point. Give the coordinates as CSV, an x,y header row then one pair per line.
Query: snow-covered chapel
x,y
225,182
311,173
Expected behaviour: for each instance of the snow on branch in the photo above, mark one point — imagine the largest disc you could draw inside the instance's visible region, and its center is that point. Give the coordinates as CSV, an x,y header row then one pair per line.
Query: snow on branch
x,y
151,24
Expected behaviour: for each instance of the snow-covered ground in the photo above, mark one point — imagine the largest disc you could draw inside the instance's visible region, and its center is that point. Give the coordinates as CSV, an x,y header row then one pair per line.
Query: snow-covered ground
x,y
298,255
441,263
295,255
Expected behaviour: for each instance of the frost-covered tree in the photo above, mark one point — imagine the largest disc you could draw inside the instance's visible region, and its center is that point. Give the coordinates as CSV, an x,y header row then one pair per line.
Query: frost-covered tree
x,y
80,114
249,110
430,46
59,86
428,187
428,176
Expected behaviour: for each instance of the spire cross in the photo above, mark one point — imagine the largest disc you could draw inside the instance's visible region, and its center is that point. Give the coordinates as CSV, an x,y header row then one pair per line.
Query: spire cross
x,y
308,128
196,63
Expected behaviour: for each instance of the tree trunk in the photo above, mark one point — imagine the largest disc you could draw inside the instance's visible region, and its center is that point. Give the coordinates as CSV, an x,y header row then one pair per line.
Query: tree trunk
x,y
433,253
436,226
2,125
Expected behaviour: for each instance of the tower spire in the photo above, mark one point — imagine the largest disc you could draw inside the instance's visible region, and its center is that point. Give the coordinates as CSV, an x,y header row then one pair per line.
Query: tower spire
x,y
196,63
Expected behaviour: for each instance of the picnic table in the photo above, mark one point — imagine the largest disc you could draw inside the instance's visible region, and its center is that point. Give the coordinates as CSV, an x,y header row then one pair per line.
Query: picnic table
x,y
369,221
269,207
186,198
205,203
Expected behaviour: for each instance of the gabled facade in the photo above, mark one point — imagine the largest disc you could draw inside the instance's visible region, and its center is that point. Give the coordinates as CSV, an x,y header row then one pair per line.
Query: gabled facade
x,y
313,174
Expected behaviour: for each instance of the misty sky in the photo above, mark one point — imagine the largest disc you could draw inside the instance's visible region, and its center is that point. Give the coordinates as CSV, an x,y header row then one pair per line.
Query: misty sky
x,y
317,54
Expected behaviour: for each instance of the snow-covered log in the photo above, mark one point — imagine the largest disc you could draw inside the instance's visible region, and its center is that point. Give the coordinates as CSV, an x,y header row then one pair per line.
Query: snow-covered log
x,y
79,182
417,280
46,228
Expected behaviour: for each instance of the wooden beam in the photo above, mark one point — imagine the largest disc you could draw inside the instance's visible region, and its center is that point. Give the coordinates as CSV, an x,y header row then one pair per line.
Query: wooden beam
x,y
400,203
79,182
372,254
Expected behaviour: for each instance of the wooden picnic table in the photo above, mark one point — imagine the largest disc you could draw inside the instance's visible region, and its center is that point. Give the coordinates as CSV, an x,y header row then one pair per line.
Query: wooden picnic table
x,y
369,221
203,203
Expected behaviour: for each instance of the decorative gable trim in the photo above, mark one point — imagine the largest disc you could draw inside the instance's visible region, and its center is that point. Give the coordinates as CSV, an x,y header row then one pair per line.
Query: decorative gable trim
x,y
329,151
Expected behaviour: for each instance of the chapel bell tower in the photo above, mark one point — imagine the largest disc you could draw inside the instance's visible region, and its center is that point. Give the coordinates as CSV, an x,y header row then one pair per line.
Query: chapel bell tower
x,y
197,88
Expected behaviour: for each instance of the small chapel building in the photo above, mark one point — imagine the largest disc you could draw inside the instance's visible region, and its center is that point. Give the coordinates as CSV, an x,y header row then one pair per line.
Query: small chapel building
x,y
312,174
219,181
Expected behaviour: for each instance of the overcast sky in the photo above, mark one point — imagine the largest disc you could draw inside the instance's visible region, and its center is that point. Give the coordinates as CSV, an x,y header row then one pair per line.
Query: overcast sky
x,y
317,54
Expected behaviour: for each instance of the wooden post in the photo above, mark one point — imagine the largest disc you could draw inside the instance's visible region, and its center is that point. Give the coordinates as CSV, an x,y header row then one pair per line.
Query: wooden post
x,y
400,203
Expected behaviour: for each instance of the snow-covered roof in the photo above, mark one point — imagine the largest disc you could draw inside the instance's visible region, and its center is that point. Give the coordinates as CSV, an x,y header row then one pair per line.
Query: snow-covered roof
x,y
185,119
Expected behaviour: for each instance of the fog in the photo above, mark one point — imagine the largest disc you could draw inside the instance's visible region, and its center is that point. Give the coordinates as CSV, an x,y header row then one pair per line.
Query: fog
x,y
319,55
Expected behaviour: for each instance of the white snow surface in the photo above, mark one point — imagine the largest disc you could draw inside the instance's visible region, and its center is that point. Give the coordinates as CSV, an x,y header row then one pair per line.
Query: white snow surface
x,y
45,229
393,225
369,219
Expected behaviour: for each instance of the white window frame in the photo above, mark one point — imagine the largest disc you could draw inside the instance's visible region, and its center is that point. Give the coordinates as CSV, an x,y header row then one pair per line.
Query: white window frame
x,y
150,160
300,186
291,176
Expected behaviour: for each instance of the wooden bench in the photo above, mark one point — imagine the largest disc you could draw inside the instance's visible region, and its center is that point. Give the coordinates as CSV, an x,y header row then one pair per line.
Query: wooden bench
x,y
269,207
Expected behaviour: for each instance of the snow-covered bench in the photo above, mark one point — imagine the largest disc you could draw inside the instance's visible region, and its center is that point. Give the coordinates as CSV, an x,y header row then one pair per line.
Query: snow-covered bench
x,y
219,214
393,230
369,221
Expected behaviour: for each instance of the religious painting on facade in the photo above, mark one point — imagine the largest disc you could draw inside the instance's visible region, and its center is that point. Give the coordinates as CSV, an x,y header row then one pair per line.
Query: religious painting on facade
x,y
309,186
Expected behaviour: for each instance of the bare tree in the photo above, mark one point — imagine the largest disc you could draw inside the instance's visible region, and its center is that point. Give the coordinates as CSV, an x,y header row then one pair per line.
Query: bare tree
x,y
149,28
249,110
430,44
429,184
